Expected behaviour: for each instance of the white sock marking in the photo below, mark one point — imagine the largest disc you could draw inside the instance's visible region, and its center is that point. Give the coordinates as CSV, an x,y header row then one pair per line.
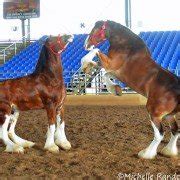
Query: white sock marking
x,y
171,147
1,132
110,85
50,136
151,151
5,136
60,130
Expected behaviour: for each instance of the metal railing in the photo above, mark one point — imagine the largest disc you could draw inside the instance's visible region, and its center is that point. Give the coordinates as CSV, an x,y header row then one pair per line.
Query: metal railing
x,y
4,54
12,48
81,83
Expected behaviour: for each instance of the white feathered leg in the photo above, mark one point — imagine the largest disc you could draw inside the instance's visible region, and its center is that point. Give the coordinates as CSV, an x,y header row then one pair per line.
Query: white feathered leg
x,y
10,146
22,142
50,144
151,151
60,136
171,148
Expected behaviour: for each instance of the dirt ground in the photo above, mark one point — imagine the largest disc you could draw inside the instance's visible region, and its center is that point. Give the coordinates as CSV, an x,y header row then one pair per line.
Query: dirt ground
x,y
105,142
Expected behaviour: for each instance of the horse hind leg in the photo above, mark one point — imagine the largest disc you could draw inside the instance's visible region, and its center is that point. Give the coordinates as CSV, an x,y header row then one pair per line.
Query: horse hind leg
x,y
151,151
10,146
18,140
60,136
171,149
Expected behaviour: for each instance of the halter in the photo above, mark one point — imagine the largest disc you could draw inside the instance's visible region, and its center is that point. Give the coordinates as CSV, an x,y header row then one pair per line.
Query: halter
x,y
101,33
61,44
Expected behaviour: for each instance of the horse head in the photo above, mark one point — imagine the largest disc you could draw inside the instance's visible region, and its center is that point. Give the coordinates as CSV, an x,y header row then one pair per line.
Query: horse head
x,y
97,35
57,44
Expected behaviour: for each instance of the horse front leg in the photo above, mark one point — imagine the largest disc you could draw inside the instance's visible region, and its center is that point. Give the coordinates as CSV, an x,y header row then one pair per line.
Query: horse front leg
x,y
60,136
105,60
50,143
151,151
18,140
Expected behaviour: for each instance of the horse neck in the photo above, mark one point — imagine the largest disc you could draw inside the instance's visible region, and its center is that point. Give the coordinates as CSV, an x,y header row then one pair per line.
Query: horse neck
x,y
53,67
123,39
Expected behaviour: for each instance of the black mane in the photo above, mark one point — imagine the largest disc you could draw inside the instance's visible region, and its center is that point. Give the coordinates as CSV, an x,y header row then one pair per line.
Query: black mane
x,y
41,64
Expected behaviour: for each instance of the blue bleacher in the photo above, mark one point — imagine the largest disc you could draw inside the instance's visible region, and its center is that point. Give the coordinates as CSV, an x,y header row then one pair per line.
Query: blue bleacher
x,y
164,48
24,63
163,45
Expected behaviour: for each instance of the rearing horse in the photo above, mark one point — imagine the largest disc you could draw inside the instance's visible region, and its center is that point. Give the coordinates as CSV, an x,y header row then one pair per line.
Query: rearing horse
x,y
129,60
44,89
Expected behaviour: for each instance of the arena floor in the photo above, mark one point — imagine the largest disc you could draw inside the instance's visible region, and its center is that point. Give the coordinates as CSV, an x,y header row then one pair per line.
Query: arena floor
x,y
105,141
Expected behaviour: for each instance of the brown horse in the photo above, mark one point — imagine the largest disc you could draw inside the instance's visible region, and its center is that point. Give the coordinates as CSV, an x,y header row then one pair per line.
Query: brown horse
x,y
129,60
44,89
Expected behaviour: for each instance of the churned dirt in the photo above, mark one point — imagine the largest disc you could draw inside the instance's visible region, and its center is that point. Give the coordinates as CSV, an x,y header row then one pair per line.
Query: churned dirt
x,y
105,142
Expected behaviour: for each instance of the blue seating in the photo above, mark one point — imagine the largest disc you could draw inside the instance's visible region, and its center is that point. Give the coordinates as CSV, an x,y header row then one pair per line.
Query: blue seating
x,y
23,63
163,45
171,50
175,58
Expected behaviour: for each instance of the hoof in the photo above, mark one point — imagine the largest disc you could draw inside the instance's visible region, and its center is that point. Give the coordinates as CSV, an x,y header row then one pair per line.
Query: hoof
x,y
14,149
21,142
53,149
169,152
66,145
144,154
27,144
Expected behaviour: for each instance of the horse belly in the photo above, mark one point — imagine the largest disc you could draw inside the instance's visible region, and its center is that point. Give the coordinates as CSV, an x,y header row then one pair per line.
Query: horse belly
x,y
25,104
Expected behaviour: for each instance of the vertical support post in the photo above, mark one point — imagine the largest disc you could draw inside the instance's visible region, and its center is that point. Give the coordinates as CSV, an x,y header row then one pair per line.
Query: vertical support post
x,y
73,83
4,55
79,85
96,84
15,48
128,13
29,31
101,83
85,84
23,31
99,89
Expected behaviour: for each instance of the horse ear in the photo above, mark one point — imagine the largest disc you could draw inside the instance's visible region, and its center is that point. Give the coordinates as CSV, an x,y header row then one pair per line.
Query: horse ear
x,y
104,26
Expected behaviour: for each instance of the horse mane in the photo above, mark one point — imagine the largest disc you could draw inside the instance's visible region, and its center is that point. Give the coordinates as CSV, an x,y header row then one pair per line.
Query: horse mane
x,y
122,38
41,64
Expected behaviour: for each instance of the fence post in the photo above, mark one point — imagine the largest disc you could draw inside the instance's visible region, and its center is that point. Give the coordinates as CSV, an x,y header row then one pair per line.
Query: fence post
x,y
101,83
4,55
96,84
15,48
85,84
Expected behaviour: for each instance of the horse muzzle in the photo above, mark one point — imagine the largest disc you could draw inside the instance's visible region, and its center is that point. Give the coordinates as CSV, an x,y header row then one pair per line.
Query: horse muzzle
x,y
71,38
87,45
